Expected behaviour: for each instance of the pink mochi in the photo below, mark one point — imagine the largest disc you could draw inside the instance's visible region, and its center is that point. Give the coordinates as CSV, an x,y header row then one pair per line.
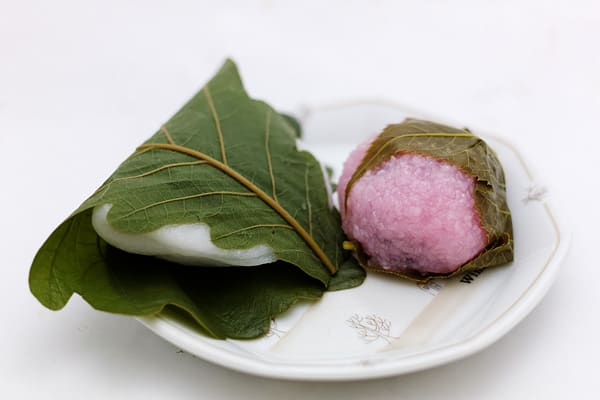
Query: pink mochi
x,y
411,214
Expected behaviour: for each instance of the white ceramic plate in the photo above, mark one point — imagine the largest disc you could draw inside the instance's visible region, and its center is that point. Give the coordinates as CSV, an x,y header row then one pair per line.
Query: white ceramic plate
x,y
388,326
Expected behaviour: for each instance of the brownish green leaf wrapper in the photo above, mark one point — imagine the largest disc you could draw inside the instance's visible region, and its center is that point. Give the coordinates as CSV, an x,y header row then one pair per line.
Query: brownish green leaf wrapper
x,y
471,155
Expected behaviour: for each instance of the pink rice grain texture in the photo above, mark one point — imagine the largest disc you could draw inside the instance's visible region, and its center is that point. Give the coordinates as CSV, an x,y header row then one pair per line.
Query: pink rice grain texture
x,y
412,213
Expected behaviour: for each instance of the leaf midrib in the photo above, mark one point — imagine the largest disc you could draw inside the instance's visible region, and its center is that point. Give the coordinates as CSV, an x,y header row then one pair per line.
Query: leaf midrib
x,y
269,200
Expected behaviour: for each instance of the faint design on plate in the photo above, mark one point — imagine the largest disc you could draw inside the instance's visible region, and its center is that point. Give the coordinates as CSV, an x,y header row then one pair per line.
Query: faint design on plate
x,y
274,330
469,277
432,287
183,353
535,193
371,327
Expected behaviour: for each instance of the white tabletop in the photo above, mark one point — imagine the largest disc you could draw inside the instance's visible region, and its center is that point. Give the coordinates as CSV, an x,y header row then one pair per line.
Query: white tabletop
x,y
82,85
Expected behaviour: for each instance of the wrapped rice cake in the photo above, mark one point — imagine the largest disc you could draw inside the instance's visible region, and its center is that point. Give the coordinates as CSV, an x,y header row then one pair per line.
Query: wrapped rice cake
x,y
424,200
217,216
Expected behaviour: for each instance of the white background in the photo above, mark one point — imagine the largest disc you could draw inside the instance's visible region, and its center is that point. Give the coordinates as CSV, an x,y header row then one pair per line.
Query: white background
x,y
82,83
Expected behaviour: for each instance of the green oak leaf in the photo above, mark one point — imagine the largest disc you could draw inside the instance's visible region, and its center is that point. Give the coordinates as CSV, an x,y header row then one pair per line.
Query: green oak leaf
x,y
228,161
231,162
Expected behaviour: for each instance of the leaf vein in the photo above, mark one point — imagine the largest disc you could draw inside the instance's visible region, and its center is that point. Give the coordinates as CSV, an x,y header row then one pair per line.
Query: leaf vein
x,y
167,134
308,203
268,152
107,186
309,240
181,198
251,227
217,122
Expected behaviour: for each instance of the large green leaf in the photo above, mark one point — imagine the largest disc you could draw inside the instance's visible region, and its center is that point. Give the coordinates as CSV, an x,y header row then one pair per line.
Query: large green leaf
x,y
469,153
230,162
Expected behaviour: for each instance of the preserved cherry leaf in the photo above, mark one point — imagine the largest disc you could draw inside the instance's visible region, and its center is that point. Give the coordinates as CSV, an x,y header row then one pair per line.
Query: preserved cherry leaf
x,y
455,157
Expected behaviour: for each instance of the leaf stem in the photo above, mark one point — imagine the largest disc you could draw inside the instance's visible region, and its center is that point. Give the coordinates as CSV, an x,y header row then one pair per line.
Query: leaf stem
x,y
255,189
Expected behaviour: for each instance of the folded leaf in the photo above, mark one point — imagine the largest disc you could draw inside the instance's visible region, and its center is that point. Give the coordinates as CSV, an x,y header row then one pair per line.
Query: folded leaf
x,y
230,162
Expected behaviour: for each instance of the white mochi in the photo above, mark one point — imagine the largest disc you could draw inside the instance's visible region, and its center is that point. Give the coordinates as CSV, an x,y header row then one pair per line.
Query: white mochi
x,y
188,244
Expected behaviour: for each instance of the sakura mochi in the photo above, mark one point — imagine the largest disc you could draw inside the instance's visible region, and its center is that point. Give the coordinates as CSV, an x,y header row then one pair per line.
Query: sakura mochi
x,y
425,200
